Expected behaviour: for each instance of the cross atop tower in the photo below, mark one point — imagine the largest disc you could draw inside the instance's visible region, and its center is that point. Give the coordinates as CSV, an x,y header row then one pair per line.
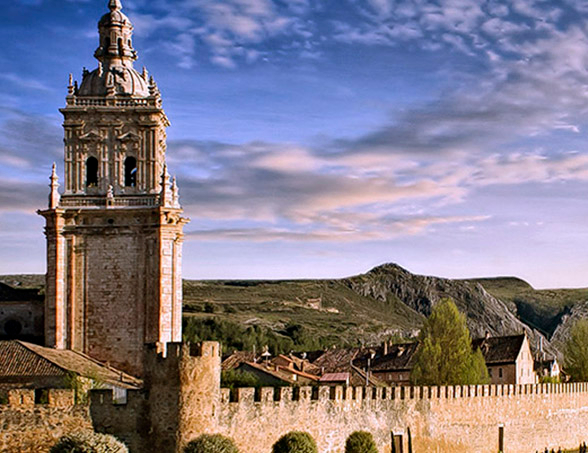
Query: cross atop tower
x,y
115,5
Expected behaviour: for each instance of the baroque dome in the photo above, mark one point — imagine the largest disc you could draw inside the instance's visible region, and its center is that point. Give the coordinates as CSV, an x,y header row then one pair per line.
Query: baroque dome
x,y
125,81
114,17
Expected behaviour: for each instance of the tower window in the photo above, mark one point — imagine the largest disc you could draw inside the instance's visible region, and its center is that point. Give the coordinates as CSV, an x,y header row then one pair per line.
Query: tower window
x,y
130,172
120,47
91,172
12,328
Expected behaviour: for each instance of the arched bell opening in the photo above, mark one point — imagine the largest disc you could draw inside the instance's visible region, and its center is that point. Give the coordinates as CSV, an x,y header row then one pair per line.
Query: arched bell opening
x,y
130,172
91,172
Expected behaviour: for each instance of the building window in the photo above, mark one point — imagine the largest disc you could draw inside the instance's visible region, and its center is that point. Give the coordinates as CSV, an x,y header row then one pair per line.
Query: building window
x,y
499,372
490,372
91,172
130,172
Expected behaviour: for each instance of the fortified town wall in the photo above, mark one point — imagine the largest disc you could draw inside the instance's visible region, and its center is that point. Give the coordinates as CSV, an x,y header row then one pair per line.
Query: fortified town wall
x,y
183,398
29,427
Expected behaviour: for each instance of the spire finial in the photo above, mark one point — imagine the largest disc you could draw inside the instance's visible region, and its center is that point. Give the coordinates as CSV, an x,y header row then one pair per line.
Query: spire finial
x,y
114,5
70,87
166,196
54,196
175,193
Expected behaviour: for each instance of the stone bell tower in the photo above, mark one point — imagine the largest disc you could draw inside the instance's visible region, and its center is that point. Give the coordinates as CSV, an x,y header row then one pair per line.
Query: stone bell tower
x,y
114,237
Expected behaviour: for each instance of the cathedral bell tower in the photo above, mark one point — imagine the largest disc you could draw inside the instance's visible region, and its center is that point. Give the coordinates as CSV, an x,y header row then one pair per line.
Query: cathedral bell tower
x,y
114,237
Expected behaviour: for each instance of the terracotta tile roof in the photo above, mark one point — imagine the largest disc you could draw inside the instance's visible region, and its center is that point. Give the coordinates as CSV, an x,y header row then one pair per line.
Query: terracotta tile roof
x,y
297,364
338,360
233,361
18,361
335,377
500,349
308,376
278,374
18,358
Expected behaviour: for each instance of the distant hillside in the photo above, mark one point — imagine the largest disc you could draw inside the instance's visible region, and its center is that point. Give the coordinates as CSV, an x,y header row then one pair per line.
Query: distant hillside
x,y
551,311
386,302
329,309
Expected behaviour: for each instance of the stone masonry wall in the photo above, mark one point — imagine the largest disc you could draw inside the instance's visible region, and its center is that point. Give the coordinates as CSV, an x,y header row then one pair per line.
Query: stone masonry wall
x,y
26,427
183,399
113,285
440,419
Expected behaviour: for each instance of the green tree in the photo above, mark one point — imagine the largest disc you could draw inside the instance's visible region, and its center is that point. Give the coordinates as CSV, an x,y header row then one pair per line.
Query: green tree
x,y
360,442
576,351
295,442
211,443
445,355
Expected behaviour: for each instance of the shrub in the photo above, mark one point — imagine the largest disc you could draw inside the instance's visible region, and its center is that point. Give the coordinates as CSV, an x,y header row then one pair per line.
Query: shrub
x,y
360,442
211,443
88,442
238,378
295,442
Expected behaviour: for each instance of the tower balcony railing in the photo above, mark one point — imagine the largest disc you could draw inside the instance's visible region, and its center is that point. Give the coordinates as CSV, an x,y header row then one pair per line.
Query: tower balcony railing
x,y
143,201
77,101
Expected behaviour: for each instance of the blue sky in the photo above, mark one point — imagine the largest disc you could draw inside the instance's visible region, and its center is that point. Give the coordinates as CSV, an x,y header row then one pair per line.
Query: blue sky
x,y
319,138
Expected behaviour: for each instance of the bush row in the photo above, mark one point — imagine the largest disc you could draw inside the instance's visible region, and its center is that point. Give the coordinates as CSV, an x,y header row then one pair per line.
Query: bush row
x,y
293,442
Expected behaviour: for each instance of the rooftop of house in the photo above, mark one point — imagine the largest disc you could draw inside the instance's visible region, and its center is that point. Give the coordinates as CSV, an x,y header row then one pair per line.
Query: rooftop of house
x,y
297,363
398,357
338,360
271,371
19,359
236,358
500,349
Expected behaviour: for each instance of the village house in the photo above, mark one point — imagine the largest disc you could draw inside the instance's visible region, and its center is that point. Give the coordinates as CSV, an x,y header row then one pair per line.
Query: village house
x,y
392,363
509,359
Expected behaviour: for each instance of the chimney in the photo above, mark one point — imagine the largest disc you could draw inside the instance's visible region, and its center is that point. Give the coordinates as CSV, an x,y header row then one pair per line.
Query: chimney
x,y
487,336
386,347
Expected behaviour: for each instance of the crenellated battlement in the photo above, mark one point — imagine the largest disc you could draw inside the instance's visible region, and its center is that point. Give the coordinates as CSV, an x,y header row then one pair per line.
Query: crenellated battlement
x,y
170,354
105,397
28,398
358,394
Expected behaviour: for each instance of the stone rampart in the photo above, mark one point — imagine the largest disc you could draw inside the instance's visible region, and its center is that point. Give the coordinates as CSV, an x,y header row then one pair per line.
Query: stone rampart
x,y
29,427
183,399
440,419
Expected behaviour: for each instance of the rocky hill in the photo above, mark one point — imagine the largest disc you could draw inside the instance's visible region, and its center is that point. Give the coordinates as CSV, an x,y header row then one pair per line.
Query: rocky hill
x,y
485,313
